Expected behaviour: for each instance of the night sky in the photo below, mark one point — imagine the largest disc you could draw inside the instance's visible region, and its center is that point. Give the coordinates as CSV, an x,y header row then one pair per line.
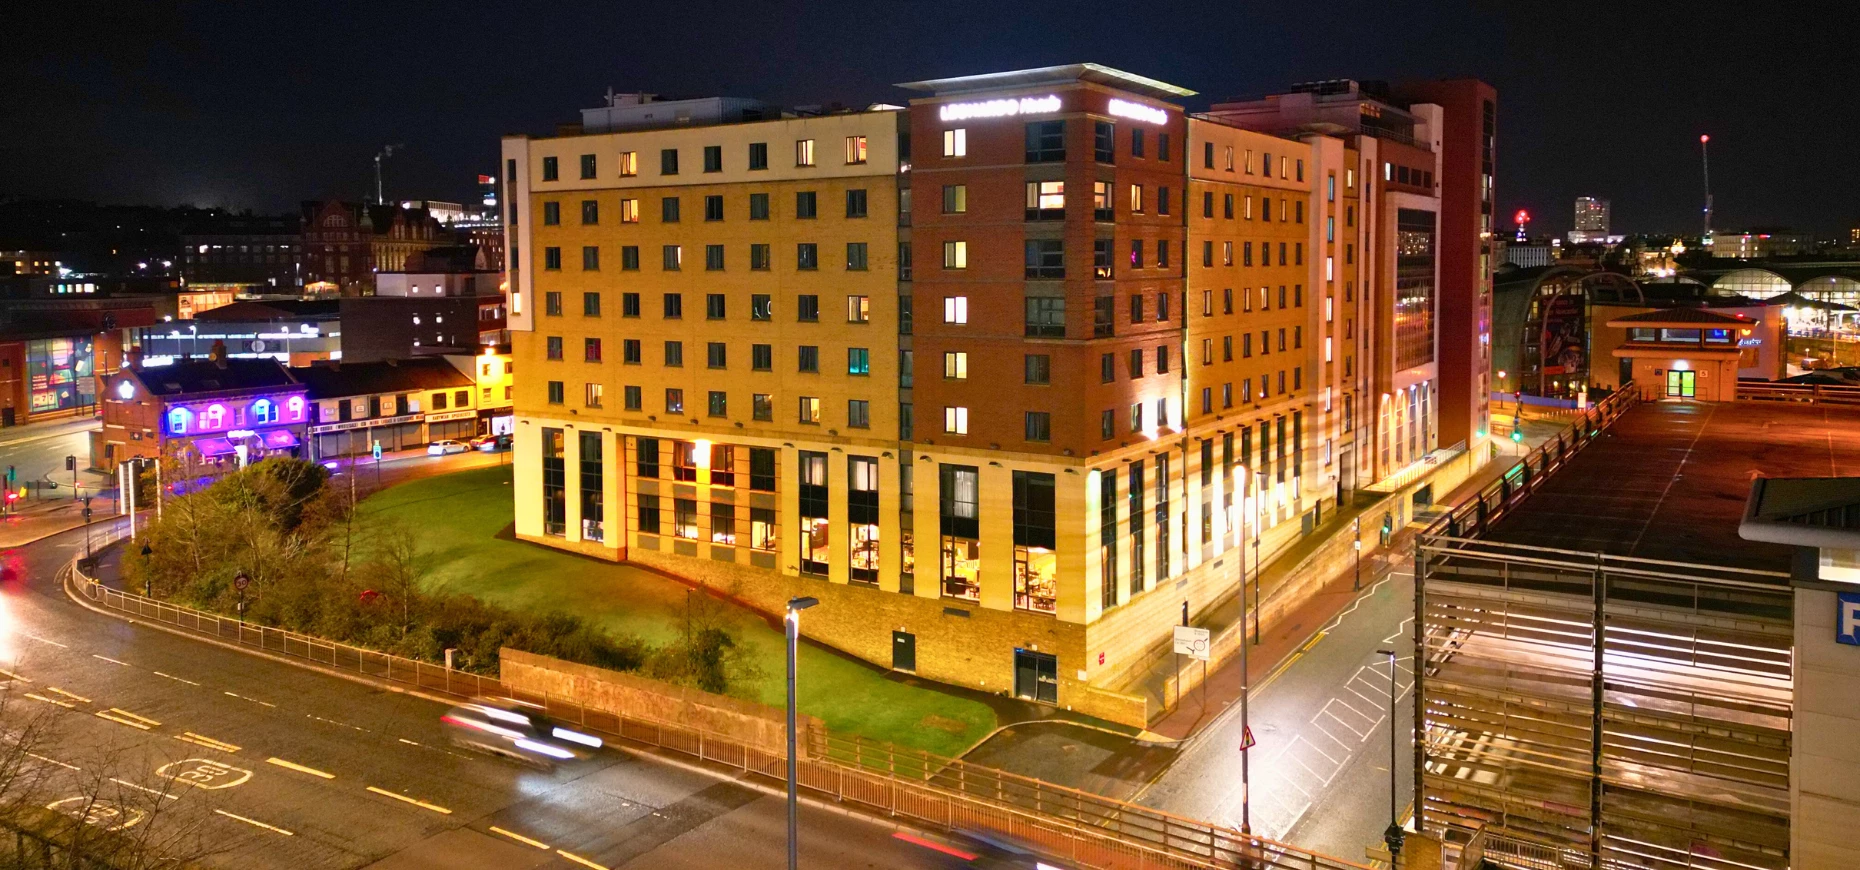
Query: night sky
x,y
259,105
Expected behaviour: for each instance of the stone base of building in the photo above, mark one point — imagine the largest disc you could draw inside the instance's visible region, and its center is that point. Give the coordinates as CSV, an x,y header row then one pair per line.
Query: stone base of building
x,y
949,641
595,549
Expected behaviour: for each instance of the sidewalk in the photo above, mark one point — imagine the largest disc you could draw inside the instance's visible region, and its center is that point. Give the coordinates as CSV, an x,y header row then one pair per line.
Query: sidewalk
x,y
16,435
40,518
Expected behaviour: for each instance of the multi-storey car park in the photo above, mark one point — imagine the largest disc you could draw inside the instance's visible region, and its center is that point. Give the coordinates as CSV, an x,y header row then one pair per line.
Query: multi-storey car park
x,y
1007,377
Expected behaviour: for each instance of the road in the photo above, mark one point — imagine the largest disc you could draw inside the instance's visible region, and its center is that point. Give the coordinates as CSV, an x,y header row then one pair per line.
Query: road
x,y
1320,766
37,453
297,769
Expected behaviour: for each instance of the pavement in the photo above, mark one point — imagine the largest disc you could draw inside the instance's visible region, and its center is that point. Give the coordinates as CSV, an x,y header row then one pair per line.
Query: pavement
x,y
273,765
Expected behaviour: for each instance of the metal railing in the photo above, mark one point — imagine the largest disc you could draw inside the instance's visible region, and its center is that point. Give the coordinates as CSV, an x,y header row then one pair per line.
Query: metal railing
x,y
1811,393
940,793
1474,515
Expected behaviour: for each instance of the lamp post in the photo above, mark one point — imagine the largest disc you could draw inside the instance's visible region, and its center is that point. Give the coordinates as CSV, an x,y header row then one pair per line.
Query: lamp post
x,y
1356,581
1394,835
148,579
793,620
1259,512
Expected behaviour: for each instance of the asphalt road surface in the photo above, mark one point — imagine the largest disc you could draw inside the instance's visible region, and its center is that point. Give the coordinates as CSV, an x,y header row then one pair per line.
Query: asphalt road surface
x,y
269,765
1320,766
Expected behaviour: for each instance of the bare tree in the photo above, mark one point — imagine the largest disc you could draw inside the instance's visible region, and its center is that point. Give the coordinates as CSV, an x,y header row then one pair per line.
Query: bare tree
x,y
399,567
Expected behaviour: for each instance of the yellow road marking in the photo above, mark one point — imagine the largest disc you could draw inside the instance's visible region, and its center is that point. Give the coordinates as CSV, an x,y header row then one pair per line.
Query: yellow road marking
x,y
255,823
210,743
110,660
176,679
299,768
13,676
124,717
38,697
519,838
162,794
73,696
253,700
580,860
1313,641
416,802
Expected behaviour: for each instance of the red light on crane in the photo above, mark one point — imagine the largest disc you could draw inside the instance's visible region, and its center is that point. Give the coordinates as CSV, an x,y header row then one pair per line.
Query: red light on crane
x,y
1522,216
1703,138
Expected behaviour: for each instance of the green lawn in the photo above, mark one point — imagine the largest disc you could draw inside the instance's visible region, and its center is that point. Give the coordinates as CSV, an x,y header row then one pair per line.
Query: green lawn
x,y
457,516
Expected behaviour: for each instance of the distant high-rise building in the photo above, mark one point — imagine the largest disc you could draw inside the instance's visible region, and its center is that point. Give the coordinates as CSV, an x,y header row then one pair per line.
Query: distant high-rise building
x,y
1591,220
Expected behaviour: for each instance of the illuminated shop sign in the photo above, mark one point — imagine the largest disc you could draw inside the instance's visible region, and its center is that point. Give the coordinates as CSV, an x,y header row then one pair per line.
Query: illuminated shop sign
x,y
1138,112
999,108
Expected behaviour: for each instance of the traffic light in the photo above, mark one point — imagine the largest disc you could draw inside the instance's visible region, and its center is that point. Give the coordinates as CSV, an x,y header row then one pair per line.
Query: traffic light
x,y
12,474
1517,436
71,463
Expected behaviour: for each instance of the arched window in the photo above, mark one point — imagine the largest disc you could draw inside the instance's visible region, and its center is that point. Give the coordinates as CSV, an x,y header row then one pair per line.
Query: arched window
x,y
263,411
294,409
214,417
178,420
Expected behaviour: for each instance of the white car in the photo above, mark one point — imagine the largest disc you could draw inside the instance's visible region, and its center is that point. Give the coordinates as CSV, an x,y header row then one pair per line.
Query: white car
x,y
442,448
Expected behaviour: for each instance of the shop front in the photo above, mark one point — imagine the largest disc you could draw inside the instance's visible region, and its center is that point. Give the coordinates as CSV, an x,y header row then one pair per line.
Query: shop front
x,y
459,425
358,437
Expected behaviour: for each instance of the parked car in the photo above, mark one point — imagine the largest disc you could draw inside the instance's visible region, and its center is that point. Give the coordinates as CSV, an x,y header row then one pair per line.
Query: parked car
x,y
442,448
516,729
491,443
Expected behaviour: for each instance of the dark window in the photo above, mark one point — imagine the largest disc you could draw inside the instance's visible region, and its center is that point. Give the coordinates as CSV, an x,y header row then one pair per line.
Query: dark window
x,y
674,306
629,258
552,303
1039,368
587,166
552,258
807,308
1103,315
590,212
1046,141
1039,426
760,307
629,305
549,169
713,158
552,213
758,258
713,258
555,392
808,359
668,209
1104,149
1046,317
713,207
590,304
1136,142
1046,258
804,203
717,355
855,203
758,206
807,256
759,155
590,258
555,482
714,306
668,161
762,357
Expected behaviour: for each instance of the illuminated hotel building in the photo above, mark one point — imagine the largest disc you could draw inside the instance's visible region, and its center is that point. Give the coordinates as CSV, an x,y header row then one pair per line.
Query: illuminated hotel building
x,y
1004,377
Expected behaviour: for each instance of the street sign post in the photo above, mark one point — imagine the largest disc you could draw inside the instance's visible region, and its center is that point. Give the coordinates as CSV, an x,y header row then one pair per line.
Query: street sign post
x,y
1191,642
1246,737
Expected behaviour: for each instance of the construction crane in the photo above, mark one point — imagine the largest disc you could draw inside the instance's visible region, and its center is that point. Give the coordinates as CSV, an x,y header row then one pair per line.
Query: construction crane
x,y
383,154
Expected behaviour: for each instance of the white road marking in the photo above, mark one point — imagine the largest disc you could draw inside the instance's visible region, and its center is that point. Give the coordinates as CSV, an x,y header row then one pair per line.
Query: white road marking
x,y
110,660
176,679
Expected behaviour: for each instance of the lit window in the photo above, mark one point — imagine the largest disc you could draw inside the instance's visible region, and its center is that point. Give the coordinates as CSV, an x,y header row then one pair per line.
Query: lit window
x,y
810,409
178,420
803,152
955,255
956,365
956,421
956,309
214,417
629,211
855,149
1136,199
956,142
629,164
858,309
263,411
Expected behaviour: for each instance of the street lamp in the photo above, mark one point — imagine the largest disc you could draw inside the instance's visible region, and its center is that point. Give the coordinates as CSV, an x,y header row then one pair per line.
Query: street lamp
x,y
1394,835
148,579
793,620
1356,582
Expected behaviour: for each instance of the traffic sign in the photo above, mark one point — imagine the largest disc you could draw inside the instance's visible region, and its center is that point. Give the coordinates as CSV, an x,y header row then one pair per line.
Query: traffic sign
x,y
377,450
1246,738
241,581
1191,642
